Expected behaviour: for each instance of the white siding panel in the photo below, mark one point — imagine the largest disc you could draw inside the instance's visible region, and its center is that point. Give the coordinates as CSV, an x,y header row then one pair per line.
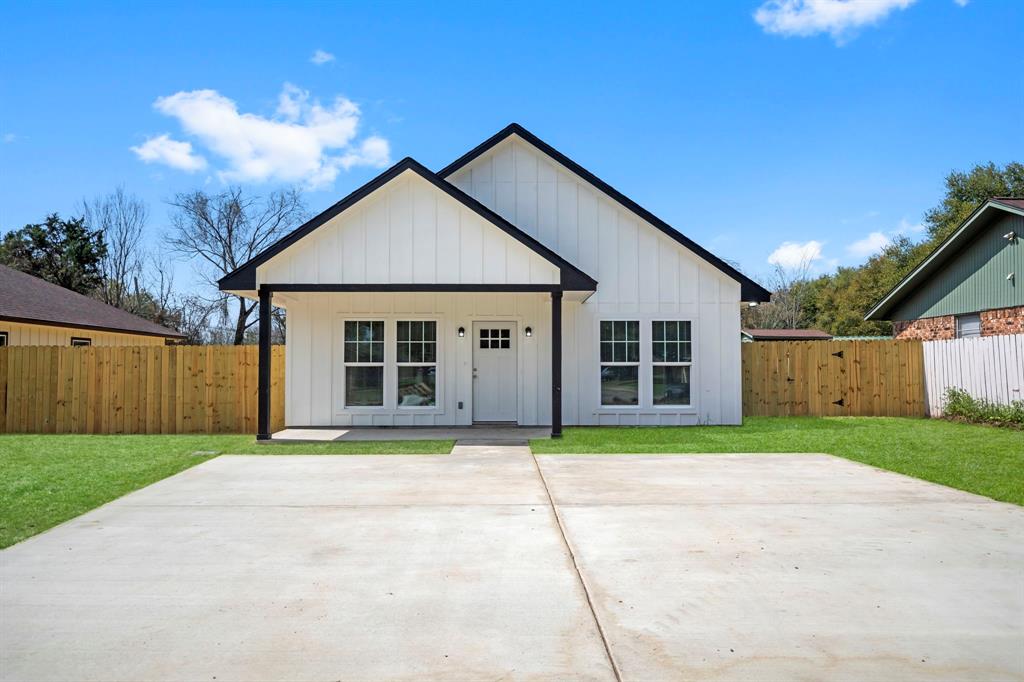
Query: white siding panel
x,y
987,367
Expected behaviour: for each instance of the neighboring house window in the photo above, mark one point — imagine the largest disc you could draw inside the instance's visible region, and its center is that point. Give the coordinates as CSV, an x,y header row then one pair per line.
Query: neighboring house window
x,y
671,357
968,326
3,339
620,362
80,341
417,363
364,363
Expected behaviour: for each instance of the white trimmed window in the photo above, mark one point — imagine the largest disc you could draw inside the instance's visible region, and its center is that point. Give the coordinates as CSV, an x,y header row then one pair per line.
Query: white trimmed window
x,y
364,363
3,339
968,326
416,357
80,341
620,363
671,360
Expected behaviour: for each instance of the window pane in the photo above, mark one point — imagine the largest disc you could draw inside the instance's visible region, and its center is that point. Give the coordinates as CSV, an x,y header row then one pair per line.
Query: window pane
x,y
658,331
378,331
671,385
376,352
485,333
619,386
633,352
684,331
417,331
658,352
505,343
350,331
363,354
618,352
619,332
606,351
403,353
633,331
483,343
606,331
416,386
416,352
684,352
506,333
364,386
429,352
672,352
430,331
402,331
350,350
671,331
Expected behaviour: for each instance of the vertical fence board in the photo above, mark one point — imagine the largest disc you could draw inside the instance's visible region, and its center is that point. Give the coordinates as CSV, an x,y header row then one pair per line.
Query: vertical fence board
x,y
987,367
156,389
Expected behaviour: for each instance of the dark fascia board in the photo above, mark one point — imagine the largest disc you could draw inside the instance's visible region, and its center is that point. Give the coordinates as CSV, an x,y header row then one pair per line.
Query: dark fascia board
x,y
749,289
244,277
93,327
411,287
948,248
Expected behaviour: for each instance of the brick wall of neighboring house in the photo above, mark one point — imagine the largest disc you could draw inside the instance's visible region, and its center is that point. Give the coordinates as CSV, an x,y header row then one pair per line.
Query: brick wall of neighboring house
x,y
993,323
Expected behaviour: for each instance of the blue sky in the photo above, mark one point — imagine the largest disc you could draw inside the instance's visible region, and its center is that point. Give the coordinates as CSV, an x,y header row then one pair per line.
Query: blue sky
x,y
746,125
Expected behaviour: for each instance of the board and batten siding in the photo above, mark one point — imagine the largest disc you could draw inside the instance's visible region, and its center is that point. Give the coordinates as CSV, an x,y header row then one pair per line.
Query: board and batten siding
x,y
976,278
21,334
642,274
408,232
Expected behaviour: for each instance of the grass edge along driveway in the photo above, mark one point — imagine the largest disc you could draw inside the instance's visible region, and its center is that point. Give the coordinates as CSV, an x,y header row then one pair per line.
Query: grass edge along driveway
x,y
980,459
48,479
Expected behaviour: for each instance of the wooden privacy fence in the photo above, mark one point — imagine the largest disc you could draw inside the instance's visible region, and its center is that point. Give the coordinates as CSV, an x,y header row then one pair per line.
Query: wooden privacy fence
x,y
833,378
987,367
160,389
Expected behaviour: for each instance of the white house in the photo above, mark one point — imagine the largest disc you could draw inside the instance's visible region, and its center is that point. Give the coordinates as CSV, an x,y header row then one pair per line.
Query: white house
x,y
511,286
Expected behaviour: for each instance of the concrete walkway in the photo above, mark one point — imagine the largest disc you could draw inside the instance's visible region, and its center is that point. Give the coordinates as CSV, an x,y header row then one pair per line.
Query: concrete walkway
x,y
491,563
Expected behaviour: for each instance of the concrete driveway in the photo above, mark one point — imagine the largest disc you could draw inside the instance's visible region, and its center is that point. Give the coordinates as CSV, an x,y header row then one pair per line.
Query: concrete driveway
x,y
491,564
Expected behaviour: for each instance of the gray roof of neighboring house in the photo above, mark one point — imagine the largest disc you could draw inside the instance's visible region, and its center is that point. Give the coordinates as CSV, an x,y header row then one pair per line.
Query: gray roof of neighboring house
x,y
787,334
936,262
24,298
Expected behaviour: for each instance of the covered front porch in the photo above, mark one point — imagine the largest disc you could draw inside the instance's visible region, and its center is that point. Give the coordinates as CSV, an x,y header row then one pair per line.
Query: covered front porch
x,y
485,361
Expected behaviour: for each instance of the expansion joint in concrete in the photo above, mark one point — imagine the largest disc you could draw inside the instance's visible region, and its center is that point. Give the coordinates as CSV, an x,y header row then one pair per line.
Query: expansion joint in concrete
x,y
579,574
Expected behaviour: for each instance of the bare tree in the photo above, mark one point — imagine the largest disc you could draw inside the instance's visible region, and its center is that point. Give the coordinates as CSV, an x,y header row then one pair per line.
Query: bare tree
x,y
223,231
789,293
122,219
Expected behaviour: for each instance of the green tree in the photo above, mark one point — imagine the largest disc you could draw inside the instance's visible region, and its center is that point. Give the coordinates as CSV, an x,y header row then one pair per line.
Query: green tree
x,y
64,252
966,191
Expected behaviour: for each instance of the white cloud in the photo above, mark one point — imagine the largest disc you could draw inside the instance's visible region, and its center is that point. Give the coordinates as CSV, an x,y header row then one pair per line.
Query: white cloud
x,y
868,246
962,3
321,57
9,138
793,255
876,241
839,18
304,141
162,149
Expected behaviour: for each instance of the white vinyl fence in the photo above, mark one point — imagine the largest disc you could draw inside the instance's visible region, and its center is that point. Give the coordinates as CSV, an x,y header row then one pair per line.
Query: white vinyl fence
x,y
989,367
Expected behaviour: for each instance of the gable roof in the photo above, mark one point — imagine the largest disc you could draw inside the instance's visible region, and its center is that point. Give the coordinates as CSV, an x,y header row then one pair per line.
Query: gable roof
x,y
749,289
979,219
28,299
244,277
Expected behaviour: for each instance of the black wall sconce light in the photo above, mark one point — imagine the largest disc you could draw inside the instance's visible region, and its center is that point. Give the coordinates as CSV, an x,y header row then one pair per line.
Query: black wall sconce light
x,y
462,332
528,331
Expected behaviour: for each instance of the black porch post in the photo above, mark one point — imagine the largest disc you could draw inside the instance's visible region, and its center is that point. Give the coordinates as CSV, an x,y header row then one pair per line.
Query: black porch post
x,y
263,391
556,364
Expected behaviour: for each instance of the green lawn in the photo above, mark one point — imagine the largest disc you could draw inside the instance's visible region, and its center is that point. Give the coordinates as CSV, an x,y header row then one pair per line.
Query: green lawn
x,y
45,480
980,459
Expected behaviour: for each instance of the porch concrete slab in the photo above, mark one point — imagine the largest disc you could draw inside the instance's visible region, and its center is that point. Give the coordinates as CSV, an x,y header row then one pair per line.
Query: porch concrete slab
x,y
305,568
792,567
374,433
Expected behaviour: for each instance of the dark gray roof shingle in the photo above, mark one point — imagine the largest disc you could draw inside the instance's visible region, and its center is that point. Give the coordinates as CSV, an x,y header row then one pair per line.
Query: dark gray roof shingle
x,y
29,299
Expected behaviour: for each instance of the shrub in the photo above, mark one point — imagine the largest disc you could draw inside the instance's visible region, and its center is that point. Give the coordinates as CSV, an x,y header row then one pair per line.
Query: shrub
x,y
959,404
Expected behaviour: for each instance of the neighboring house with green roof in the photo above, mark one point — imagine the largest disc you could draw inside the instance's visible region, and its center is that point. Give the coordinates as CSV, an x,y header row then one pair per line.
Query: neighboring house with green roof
x,y
970,285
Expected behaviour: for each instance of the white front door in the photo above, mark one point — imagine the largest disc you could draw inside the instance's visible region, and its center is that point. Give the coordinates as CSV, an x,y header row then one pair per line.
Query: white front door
x,y
495,379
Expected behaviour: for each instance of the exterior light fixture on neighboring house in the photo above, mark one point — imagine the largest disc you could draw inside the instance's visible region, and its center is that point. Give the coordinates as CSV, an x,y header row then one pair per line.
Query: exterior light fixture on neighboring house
x,y
1010,236
528,331
462,332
